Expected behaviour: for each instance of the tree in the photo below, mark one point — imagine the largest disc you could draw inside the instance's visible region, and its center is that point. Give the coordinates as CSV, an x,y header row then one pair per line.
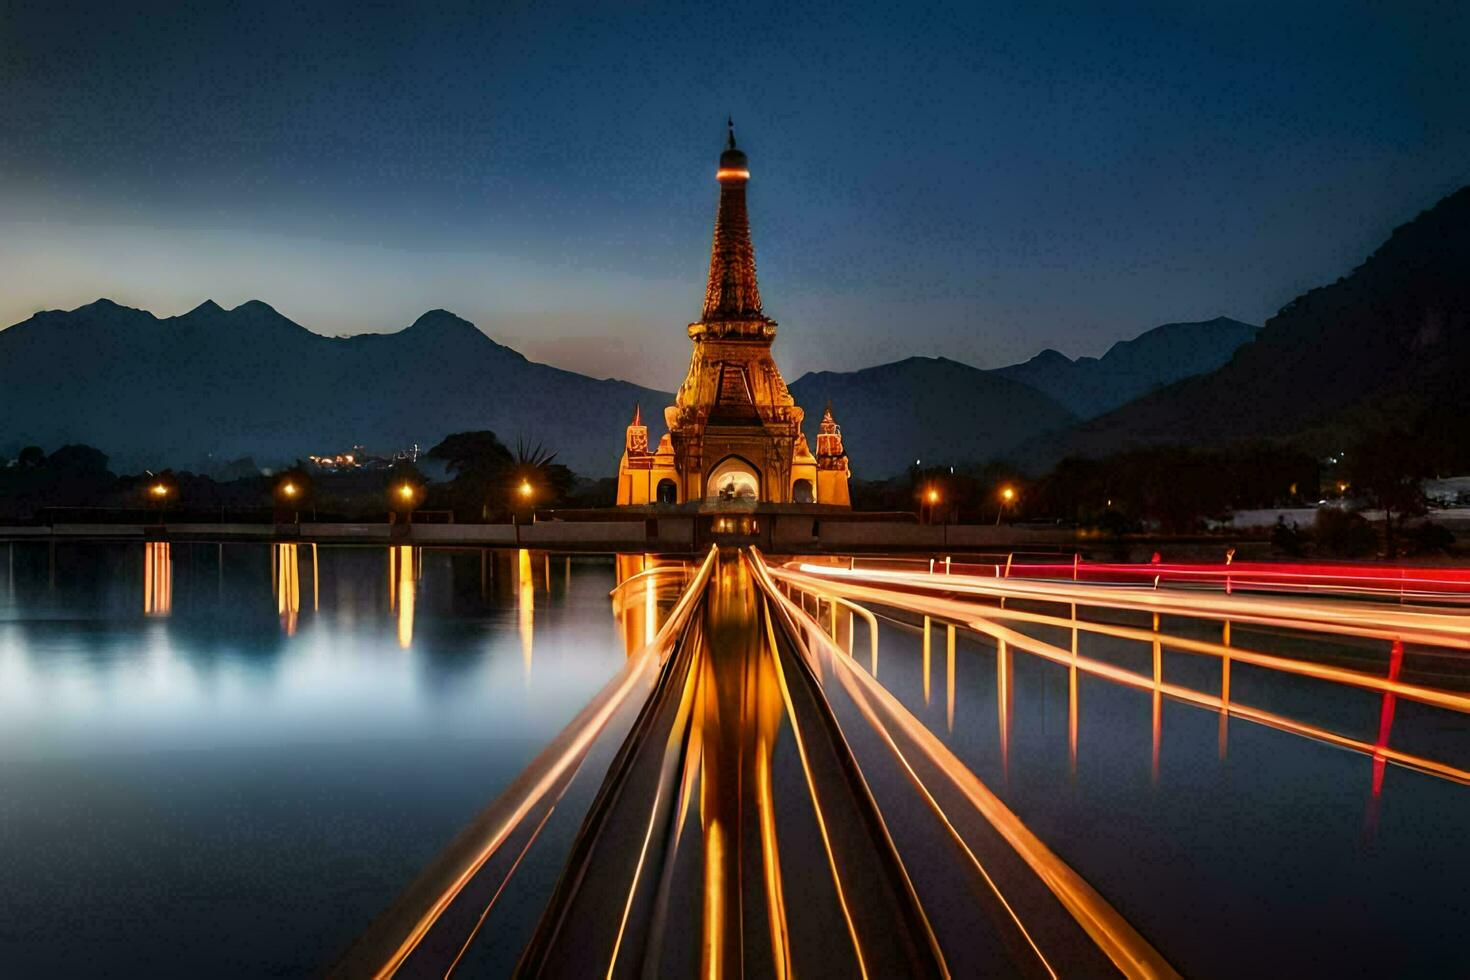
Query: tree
x,y
31,458
1387,470
479,465
77,460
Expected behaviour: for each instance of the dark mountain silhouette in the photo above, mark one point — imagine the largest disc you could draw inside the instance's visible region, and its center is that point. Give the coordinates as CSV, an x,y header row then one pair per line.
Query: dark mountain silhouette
x,y
1090,386
248,381
1388,344
934,409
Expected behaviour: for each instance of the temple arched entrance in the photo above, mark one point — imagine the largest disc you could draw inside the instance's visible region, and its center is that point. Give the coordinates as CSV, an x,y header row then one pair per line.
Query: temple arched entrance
x,y
802,492
733,478
668,492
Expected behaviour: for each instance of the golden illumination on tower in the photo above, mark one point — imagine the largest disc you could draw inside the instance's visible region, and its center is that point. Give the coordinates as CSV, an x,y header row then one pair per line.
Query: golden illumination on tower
x,y
734,431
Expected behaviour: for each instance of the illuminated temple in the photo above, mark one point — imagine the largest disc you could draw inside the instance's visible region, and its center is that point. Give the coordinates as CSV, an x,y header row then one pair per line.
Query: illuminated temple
x,y
734,431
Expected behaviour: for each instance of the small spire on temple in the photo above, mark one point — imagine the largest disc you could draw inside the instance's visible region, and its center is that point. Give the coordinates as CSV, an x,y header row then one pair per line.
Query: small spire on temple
x,y
636,442
730,124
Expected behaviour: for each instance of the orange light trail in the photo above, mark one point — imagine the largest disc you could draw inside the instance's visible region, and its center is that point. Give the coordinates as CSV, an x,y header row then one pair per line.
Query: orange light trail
x,y
1318,615
966,613
555,761
1013,638
1118,940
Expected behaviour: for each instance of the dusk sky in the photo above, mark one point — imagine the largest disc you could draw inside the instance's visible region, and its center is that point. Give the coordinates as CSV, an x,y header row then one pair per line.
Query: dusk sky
x,y
974,181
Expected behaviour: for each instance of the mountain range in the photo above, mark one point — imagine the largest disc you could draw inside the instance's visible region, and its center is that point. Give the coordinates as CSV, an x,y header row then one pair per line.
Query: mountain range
x,y
217,384
925,408
947,412
1388,343
1090,386
248,381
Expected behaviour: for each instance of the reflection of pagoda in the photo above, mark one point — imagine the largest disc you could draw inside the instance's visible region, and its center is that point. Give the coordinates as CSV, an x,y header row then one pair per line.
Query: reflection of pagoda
x,y
734,431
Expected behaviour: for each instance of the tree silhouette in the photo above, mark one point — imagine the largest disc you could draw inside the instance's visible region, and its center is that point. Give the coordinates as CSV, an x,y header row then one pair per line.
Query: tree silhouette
x,y
479,465
1387,470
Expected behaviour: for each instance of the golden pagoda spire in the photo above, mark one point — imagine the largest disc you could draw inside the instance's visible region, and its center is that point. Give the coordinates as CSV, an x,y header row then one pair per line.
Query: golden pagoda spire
x,y
732,293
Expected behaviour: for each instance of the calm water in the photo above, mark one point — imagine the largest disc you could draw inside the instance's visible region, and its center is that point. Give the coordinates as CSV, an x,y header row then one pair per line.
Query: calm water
x,y
212,766
226,762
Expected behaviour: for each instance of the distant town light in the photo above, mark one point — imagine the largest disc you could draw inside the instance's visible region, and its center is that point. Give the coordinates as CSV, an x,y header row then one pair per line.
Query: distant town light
x,y
158,490
1008,494
406,491
289,489
525,488
933,496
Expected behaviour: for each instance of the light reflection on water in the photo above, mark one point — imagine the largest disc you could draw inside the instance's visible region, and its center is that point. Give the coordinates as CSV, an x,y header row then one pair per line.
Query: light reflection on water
x,y
253,747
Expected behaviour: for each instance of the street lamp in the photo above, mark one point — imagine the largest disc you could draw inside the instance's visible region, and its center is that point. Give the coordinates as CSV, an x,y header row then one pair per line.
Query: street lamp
x,y
293,491
930,498
159,492
523,494
1007,494
403,497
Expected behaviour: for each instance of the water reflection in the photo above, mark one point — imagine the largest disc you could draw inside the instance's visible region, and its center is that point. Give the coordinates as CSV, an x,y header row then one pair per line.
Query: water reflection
x,y
286,569
648,587
403,573
737,718
526,604
206,736
158,579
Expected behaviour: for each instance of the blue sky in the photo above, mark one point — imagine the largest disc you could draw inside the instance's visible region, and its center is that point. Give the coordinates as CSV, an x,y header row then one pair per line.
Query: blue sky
x,y
977,181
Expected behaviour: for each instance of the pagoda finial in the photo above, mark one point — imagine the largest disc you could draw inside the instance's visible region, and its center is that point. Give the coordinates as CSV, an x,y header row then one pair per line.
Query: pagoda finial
x,y
637,413
731,294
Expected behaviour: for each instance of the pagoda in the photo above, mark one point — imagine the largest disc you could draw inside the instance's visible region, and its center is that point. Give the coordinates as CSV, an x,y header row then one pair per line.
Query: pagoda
x,y
734,431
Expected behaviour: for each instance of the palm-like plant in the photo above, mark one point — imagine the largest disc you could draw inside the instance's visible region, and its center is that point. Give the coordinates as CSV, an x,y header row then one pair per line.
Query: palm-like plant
x,y
535,468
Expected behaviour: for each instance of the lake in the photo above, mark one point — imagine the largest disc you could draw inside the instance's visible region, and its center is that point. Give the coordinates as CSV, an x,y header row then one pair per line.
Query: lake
x,y
226,760
213,764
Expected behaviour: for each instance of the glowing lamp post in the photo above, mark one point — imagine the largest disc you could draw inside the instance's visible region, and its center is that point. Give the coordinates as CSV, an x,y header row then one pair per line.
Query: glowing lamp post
x,y
931,499
291,493
1007,495
403,498
159,492
524,492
